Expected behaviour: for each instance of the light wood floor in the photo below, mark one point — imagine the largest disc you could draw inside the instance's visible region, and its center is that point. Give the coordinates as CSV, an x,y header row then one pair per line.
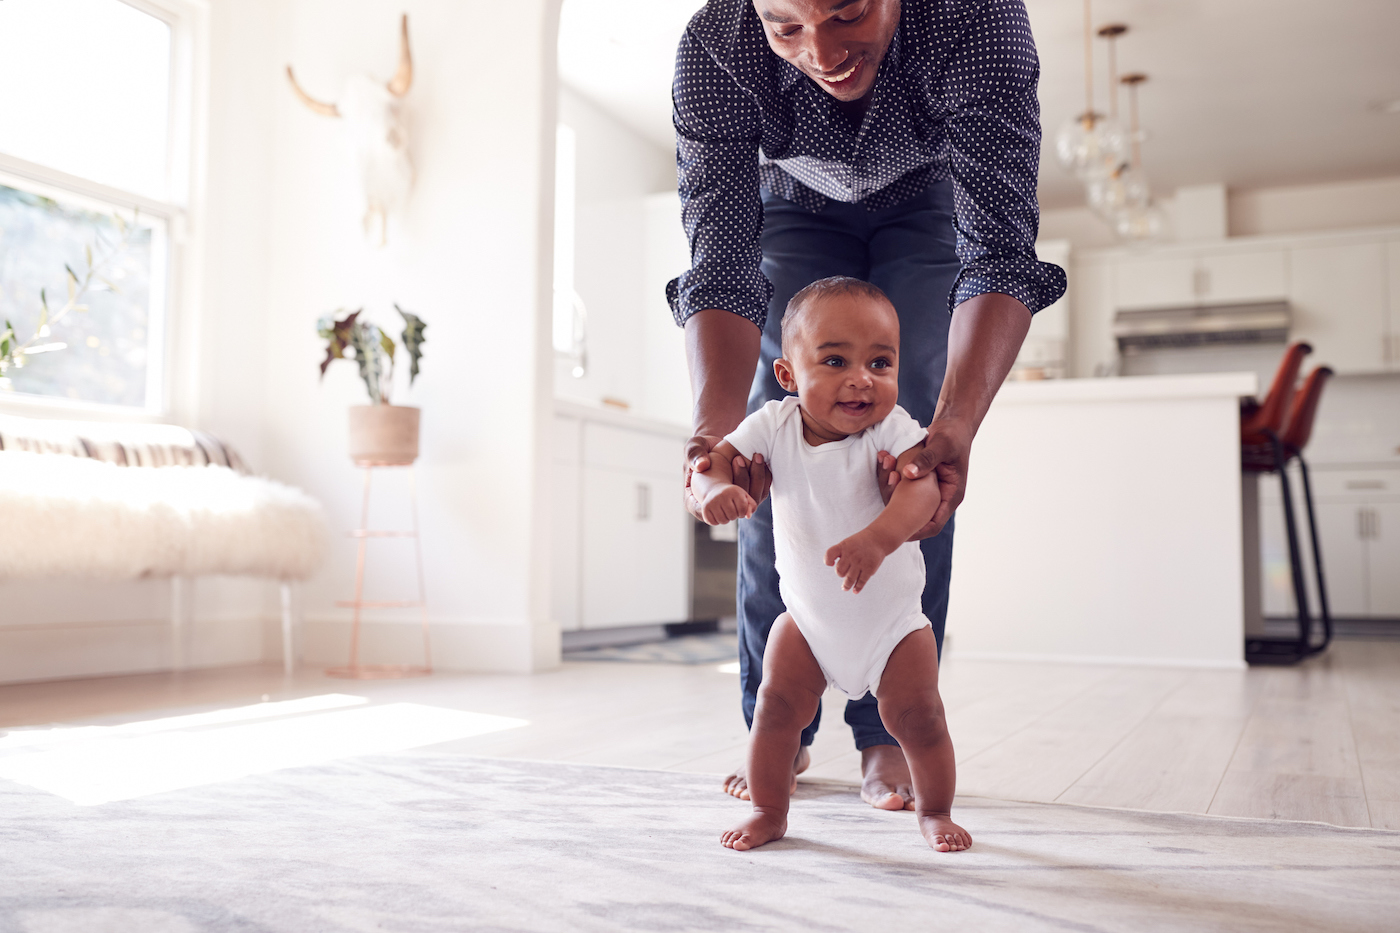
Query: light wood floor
x,y
1315,742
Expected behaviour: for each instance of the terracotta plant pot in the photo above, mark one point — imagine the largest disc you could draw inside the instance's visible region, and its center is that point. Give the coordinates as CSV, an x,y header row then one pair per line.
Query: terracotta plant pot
x,y
383,434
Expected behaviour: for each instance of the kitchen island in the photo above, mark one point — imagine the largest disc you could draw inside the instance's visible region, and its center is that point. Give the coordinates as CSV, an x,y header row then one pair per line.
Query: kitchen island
x,y
1103,523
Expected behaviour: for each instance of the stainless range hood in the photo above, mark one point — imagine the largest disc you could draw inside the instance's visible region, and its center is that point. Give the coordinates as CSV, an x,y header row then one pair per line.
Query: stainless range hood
x,y
1215,325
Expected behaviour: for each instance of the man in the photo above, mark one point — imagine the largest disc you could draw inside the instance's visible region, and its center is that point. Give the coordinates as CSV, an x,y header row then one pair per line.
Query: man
x,y
897,143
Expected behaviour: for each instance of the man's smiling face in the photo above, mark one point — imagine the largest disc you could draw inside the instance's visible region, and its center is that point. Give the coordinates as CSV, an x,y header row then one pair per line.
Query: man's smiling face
x,y
839,44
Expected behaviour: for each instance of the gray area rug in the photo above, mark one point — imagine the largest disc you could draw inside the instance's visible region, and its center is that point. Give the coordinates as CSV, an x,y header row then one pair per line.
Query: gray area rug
x,y
423,842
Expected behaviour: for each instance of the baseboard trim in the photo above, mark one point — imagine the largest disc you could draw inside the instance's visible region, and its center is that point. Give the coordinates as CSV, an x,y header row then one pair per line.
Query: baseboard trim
x,y
67,650
1106,661
467,647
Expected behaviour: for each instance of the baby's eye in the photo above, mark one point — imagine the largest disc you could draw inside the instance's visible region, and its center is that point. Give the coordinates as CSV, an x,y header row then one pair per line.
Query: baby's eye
x,y
881,363
833,361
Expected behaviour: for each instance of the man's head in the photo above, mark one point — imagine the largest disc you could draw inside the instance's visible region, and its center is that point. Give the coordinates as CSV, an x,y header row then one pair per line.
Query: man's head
x,y
839,44
841,355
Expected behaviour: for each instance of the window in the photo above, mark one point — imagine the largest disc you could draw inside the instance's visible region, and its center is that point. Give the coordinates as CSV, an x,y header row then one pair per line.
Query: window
x,y
91,146
570,317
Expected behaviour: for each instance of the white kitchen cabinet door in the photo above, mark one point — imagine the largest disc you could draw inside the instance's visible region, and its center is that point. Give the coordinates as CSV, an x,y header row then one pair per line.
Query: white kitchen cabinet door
x,y
1339,304
564,545
1344,559
1383,559
1154,282
1392,263
635,549
1227,278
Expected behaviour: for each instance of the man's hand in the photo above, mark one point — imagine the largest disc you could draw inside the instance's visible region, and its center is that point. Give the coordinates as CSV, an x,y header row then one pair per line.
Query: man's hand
x,y
856,559
752,477
945,455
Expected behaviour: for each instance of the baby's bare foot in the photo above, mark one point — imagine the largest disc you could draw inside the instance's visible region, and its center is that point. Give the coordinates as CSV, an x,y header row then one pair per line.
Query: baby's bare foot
x,y
761,826
942,834
737,784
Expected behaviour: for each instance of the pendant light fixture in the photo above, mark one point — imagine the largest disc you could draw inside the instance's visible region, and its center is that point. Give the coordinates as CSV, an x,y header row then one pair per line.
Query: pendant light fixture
x,y
1091,145
1139,218
1125,185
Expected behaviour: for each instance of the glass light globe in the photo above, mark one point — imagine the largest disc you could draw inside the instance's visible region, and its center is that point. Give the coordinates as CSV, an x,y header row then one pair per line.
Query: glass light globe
x,y
1142,222
1121,189
1092,145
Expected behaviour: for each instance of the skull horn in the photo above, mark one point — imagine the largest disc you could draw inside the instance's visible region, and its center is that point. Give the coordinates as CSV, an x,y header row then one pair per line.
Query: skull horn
x,y
324,109
403,78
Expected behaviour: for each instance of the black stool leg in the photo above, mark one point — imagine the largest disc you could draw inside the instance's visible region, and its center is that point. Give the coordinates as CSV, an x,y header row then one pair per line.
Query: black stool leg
x,y
1295,558
1323,606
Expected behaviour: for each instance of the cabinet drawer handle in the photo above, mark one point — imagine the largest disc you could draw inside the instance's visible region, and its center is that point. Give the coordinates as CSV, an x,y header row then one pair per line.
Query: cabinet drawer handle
x,y
643,502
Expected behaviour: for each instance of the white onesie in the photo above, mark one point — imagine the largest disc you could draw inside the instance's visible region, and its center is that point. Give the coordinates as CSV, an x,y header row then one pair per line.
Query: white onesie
x,y
821,496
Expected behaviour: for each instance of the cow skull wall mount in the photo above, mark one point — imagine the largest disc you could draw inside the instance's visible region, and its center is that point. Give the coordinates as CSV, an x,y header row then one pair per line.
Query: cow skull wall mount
x,y
374,121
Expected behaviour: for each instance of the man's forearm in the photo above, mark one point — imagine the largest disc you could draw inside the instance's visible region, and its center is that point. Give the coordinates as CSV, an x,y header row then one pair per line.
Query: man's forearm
x,y
983,340
722,349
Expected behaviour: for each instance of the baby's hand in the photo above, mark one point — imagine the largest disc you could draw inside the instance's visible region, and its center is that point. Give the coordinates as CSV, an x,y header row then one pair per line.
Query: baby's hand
x,y
856,559
726,503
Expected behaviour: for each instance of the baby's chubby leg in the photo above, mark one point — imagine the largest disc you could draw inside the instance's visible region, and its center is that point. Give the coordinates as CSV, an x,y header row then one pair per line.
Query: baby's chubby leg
x,y
792,686
913,712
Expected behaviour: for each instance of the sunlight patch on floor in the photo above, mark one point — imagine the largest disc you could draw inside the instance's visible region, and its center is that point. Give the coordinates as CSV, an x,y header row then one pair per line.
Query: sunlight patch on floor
x,y
731,668
94,765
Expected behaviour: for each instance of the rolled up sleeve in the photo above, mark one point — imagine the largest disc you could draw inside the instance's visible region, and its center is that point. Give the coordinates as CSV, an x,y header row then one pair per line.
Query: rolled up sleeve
x,y
717,135
993,154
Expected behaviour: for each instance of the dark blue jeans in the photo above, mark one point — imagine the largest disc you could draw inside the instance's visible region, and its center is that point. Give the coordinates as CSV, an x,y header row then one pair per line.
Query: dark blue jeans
x,y
907,250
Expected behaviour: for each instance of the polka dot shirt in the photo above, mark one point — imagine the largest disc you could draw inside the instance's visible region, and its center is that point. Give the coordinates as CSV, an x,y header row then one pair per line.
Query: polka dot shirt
x,y
954,98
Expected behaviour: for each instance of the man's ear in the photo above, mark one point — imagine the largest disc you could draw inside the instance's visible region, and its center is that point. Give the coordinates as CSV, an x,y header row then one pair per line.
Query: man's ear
x,y
783,370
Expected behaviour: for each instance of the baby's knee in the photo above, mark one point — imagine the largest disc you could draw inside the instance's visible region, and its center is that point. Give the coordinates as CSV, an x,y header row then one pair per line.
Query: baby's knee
x,y
920,722
782,707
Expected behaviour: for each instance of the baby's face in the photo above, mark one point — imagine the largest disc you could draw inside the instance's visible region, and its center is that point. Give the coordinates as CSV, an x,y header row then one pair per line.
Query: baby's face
x,y
843,363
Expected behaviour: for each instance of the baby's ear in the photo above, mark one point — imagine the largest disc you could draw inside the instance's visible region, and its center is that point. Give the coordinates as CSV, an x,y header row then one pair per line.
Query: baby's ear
x,y
784,371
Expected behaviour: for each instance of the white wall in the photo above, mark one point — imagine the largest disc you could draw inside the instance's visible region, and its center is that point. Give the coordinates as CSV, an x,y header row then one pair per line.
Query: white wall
x,y
617,170
281,245
469,257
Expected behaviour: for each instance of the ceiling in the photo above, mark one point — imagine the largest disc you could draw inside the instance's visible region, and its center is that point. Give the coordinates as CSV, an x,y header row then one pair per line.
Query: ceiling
x,y
1254,93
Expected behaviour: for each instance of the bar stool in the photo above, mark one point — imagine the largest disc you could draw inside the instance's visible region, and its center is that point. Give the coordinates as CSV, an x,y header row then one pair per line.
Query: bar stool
x,y
1278,449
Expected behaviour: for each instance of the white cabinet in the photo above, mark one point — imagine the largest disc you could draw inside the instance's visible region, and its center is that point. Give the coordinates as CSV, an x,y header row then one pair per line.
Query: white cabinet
x,y
1154,282
1343,289
1383,558
1226,278
1201,278
1358,527
621,541
1338,296
634,554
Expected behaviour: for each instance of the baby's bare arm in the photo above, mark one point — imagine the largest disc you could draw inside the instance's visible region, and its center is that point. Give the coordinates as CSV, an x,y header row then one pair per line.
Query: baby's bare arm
x,y
719,499
858,557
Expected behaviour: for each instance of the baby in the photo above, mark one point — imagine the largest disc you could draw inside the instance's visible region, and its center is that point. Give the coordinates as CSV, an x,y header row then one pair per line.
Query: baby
x,y
852,628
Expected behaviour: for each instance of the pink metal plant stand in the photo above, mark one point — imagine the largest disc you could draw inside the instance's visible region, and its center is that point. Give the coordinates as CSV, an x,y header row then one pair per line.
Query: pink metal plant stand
x,y
356,670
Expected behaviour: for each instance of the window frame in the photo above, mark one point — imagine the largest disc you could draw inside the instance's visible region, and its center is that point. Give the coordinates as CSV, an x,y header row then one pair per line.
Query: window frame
x,y
172,391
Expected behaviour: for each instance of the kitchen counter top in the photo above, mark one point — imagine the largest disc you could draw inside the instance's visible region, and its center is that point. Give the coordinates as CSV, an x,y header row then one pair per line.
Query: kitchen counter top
x,y
1124,388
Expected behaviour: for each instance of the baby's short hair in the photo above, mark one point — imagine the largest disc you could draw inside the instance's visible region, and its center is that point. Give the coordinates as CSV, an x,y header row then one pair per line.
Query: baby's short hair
x,y
825,288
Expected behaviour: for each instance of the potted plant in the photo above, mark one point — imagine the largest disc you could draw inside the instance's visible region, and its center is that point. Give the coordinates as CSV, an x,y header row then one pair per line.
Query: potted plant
x,y
381,433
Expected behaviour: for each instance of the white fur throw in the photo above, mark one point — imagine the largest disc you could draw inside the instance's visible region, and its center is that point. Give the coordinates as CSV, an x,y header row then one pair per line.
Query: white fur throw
x,y
75,517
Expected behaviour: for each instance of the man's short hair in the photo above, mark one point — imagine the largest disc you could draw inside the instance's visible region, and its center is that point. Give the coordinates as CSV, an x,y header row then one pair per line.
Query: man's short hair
x,y
826,288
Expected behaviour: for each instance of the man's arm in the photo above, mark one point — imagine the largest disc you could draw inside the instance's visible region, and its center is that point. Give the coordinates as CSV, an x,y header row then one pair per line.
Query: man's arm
x,y
723,299
722,350
983,340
